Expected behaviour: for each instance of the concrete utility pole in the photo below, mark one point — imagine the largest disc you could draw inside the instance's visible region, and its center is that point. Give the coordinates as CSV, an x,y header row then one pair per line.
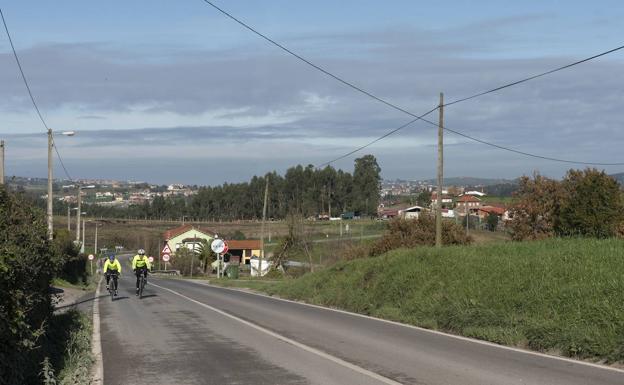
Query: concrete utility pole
x,y
1,161
82,245
264,210
78,215
95,251
68,217
440,173
193,256
50,218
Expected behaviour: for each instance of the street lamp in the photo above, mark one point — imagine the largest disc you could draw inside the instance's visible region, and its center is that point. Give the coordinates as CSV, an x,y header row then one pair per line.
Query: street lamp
x,y
50,177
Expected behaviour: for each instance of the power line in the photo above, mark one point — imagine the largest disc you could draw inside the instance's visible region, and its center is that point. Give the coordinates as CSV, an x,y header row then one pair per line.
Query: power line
x,y
378,139
421,117
32,98
534,76
522,152
308,62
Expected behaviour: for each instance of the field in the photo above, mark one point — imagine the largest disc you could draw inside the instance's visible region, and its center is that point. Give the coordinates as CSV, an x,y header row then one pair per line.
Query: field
x,y
559,296
147,234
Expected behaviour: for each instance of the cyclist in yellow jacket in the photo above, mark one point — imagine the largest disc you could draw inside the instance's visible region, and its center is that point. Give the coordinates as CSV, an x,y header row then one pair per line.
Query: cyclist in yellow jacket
x,y
112,267
140,265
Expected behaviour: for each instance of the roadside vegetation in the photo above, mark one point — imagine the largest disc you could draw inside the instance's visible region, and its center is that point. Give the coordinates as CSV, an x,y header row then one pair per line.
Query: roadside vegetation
x,y
559,295
32,342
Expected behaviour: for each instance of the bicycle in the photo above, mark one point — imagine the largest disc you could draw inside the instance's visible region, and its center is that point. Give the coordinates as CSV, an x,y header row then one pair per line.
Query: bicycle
x,y
142,281
112,286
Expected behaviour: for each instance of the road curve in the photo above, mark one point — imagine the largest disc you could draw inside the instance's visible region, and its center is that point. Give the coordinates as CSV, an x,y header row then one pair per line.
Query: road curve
x,y
187,333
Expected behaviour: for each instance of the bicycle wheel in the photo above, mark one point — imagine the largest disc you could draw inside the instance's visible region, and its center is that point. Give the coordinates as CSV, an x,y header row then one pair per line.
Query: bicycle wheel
x,y
141,286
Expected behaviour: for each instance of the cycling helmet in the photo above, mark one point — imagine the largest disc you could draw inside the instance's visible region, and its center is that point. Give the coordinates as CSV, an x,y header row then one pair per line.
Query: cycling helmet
x,y
141,252
111,257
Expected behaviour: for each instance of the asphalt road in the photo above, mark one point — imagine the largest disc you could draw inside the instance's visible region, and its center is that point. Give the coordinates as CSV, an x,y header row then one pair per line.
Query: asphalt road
x,y
188,333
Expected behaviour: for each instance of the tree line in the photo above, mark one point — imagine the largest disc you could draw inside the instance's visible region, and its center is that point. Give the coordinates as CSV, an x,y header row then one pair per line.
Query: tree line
x,y
585,203
305,191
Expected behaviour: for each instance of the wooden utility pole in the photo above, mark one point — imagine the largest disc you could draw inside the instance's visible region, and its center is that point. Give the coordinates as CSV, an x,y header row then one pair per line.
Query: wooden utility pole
x,y
440,172
1,161
264,211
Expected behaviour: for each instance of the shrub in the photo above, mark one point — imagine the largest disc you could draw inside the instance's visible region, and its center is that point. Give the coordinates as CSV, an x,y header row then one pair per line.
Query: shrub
x,y
536,208
27,264
592,205
418,232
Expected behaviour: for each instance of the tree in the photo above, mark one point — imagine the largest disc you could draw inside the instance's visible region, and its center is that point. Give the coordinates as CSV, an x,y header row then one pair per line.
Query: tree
x,y
536,208
592,204
491,222
424,198
367,184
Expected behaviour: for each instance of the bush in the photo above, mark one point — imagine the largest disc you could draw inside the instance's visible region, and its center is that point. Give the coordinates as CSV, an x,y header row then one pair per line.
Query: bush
x,y
183,259
27,265
585,203
592,204
536,208
73,266
418,232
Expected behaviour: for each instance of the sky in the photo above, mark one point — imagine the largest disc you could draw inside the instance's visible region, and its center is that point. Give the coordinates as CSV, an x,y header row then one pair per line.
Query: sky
x,y
175,92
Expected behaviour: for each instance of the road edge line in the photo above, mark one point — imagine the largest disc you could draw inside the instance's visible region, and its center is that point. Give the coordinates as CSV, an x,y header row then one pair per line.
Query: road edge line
x,y
437,332
97,372
287,340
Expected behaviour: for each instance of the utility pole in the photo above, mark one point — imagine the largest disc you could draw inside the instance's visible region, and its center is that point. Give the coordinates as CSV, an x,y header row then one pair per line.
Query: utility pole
x,y
1,161
50,218
68,217
329,201
95,242
193,256
78,215
82,245
264,210
440,173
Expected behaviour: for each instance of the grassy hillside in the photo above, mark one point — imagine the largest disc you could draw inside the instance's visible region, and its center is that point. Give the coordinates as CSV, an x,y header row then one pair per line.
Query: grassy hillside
x,y
563,296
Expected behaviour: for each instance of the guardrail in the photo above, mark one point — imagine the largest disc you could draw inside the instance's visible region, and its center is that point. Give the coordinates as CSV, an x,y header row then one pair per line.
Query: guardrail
x,y
166,272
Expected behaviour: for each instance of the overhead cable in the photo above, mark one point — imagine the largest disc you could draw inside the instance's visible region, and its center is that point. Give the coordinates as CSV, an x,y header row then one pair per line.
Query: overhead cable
x,y
421,117
32,98
534,76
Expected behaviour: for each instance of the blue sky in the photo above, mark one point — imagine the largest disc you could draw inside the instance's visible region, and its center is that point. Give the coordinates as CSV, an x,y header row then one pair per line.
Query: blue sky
x,y
171,91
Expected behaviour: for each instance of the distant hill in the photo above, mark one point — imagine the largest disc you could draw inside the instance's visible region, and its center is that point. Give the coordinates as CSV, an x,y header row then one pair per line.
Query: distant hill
x,y
472,181
619,177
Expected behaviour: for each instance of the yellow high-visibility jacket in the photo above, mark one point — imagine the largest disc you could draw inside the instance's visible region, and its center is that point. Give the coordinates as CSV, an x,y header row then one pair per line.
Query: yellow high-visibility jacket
x,y
138,262
112,266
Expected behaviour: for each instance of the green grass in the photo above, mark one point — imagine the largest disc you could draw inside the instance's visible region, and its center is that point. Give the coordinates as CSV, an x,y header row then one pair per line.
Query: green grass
x,y
59,282
562,296
67,346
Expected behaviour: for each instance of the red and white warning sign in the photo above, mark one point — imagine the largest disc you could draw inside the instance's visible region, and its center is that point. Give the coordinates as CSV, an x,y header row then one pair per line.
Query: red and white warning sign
x,y
165,257
166,249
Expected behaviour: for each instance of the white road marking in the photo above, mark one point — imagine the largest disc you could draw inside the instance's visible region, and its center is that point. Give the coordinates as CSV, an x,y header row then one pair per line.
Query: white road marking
x,y
461,338
280,337
96,343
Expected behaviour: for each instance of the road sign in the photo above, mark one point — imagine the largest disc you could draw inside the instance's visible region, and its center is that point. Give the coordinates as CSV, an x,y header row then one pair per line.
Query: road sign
x,y
91,256
219,246
165,257
151,259
166,249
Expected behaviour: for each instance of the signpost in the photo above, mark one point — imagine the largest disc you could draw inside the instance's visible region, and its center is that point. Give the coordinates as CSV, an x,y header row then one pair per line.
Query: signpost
x,y
150,259
219,246
91,256
166,254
